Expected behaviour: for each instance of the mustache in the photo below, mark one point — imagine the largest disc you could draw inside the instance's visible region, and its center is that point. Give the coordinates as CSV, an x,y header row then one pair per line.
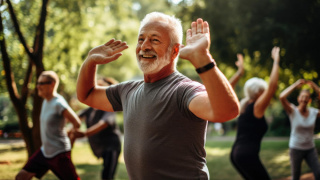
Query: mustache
x,y
141,53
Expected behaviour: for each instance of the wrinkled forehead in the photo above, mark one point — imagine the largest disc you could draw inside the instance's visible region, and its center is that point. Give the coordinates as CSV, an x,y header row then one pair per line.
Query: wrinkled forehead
x,y
159,28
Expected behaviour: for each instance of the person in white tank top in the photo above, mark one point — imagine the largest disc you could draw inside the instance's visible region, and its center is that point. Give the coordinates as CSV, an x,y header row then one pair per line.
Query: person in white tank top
x,y
302,119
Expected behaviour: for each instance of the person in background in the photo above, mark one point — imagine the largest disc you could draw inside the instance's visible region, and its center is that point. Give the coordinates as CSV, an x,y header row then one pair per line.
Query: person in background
x,y
221,128
236,77
55,151
302,119
234,80
252,125
166,113
103,134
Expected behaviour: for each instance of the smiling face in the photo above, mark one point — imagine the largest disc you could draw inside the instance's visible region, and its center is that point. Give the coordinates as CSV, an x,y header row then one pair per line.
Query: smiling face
x,y
304,98
153,49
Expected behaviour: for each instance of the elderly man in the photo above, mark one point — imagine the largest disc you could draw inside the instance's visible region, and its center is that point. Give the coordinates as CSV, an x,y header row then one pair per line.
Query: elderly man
x,y
55,152
166,114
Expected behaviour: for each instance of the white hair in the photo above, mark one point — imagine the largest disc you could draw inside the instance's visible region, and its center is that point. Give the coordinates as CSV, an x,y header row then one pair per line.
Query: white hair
x,y
252,88
174,24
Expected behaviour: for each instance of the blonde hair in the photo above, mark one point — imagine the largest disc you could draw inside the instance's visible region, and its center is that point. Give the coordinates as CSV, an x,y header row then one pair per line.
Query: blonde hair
x,y
252,89
51,76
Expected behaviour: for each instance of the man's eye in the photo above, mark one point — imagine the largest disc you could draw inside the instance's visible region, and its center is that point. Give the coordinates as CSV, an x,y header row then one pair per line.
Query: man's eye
x,y
140,39
156,40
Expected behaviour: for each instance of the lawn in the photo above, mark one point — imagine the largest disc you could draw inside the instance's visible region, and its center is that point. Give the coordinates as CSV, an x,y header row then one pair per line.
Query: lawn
x,y
274,155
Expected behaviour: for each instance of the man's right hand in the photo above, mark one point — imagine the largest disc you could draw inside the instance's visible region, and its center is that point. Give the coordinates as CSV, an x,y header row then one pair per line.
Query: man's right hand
x,y
107,52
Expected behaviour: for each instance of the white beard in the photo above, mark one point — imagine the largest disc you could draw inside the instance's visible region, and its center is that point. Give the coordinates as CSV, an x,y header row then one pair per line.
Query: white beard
x,y
151,67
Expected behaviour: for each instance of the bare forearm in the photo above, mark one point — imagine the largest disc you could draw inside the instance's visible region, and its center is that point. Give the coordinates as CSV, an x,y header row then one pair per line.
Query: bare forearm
x,y
72,117
222,97
285,93
96,128
274,76
235,78
86,80
314,86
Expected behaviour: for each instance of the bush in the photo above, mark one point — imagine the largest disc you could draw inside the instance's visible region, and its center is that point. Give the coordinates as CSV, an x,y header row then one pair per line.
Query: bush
x,y
12,126
280,126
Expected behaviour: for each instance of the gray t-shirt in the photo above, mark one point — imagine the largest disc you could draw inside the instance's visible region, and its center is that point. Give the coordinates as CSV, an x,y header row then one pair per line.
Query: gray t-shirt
x,y
163,139
53,135
302,129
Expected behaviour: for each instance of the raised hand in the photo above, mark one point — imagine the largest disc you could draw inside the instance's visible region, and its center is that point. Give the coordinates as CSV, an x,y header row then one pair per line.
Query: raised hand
x,y
275,54
239,63
107,52
300,82
197,42
313,85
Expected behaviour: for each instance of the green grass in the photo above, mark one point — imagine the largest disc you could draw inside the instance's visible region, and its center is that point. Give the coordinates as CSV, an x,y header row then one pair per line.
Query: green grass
x,y
274,155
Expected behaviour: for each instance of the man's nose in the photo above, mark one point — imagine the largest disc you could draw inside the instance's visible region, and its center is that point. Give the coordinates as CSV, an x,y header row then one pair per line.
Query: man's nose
x,y
146,45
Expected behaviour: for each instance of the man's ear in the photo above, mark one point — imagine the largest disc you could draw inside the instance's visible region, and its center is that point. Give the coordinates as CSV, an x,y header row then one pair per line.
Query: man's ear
x,y
176,49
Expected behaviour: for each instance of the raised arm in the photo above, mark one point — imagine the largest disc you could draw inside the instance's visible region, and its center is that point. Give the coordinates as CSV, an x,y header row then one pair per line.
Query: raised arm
x,y
236,77
87,90
219,103
316,89
288,107
263,101
314,86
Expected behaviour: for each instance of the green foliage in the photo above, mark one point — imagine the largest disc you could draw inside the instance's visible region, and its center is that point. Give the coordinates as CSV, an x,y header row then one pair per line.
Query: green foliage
x,y
75,27
143,7
280,125
7,113
249,27
27,18
9,127
254,27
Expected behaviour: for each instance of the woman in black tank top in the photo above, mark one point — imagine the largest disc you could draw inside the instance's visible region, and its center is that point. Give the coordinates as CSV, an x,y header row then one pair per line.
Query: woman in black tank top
x,y
252,125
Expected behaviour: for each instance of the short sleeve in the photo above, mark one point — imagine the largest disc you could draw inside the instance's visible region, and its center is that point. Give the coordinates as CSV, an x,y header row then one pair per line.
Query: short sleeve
x,y
187,91
117,94
114,98
314,110
62,105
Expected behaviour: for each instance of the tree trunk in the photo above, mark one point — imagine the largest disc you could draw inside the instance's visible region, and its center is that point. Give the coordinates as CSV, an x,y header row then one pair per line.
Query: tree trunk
x,y
31,134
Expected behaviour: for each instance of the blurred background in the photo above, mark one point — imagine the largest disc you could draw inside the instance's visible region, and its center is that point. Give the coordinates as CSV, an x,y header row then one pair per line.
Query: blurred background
x,y
37,35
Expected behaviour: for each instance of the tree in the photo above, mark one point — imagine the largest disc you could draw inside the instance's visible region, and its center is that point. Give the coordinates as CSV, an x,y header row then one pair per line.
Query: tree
x,y
65,32
35,55
254,27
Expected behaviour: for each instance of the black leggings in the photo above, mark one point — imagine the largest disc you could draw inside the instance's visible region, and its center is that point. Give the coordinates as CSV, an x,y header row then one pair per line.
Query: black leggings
x,y
110,162
311,157
247,162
